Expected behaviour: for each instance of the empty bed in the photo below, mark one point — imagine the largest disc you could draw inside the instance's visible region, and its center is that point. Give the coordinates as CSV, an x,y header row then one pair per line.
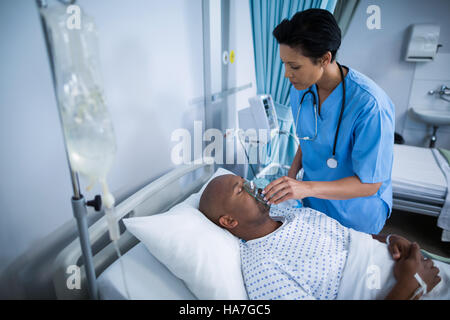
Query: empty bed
x,y
418,183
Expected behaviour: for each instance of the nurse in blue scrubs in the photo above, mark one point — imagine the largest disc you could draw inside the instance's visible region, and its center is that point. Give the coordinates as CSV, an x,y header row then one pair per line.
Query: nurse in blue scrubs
x,y
345,124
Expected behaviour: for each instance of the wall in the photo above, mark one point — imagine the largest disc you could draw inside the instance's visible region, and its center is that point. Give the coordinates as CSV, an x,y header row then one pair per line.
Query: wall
x,y
230,30
428,76
153,65
151,53
379,55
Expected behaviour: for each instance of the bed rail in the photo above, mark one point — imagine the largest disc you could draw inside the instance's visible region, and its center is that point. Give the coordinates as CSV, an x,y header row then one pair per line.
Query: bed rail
x,y
156,197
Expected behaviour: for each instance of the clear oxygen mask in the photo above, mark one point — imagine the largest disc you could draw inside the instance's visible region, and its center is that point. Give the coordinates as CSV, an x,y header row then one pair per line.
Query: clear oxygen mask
x,y
251,188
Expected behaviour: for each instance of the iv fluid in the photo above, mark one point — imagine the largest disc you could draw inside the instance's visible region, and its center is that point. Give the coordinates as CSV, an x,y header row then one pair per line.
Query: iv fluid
x,y
90,137
88,130
87,126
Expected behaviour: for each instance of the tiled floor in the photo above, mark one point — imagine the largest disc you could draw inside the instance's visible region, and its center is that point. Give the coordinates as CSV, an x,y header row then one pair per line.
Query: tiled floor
x,y
419,228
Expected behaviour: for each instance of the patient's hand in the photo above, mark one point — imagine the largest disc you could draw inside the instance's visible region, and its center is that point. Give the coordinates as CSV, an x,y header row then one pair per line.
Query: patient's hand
x,y
410,264
398,246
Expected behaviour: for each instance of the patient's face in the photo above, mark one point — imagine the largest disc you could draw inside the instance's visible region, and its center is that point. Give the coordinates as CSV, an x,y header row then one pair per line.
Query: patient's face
x,y
225,196
240,201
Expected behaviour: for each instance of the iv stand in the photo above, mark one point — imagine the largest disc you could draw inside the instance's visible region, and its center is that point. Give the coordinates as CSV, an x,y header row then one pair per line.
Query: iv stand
x,y
78,202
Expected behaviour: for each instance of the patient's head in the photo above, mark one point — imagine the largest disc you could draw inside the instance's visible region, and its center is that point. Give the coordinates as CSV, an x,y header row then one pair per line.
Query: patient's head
x,y
227,204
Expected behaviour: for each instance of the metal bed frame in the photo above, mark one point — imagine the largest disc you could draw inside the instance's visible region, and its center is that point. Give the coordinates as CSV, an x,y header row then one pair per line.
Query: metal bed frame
x,y
156,197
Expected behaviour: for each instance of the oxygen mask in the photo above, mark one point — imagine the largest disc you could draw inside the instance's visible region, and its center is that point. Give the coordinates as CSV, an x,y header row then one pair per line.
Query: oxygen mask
x,y
251,188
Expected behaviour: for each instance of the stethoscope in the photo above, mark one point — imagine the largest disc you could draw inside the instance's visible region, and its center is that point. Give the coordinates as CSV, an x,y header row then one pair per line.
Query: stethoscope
x,y
332,163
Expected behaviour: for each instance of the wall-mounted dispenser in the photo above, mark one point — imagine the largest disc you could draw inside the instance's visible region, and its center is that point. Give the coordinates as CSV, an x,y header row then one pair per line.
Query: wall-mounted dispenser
x,y
422,43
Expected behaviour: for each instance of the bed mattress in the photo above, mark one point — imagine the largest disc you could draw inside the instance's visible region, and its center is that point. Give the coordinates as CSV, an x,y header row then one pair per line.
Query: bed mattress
x,y
147,279
418,183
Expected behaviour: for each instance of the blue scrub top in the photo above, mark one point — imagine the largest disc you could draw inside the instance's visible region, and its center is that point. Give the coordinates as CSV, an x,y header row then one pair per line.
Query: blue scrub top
x,y
364,148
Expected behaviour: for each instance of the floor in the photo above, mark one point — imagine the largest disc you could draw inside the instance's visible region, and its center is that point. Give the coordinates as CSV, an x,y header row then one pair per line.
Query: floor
x,y
419,228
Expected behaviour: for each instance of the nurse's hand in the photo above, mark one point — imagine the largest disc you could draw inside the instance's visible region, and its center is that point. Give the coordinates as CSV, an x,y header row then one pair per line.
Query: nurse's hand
x,y
286,188
398,246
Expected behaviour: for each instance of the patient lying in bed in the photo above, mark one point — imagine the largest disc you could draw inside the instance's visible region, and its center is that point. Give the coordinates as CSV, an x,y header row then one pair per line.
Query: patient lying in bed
x,y
300,253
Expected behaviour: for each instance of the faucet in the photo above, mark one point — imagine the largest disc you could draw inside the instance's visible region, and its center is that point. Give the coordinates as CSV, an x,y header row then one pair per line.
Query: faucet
x,y
444,91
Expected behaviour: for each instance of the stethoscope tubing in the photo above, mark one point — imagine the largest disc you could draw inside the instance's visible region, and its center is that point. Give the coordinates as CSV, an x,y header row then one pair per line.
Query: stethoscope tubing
x,y
315,111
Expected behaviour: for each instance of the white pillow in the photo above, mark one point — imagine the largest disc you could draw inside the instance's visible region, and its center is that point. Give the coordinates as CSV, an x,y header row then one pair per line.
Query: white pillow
x,y
205,256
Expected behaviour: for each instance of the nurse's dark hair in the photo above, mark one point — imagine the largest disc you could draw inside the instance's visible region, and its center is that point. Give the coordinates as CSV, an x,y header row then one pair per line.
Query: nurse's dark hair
x,y
313,31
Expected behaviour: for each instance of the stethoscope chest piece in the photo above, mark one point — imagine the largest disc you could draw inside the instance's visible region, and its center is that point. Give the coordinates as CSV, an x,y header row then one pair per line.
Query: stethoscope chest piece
x,y
332,163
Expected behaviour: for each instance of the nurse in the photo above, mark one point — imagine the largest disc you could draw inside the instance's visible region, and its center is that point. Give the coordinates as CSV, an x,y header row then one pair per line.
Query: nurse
x,y
345,123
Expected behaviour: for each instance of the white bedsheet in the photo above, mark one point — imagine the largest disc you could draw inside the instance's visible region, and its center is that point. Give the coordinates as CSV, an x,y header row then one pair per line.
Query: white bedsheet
x,y
146,277
415,170
368,273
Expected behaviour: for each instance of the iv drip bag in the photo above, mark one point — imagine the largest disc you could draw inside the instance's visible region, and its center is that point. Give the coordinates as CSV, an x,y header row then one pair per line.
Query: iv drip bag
x,y
87,126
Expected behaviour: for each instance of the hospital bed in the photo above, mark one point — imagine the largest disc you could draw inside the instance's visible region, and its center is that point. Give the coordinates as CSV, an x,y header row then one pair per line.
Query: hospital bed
x,y
146,277
422,192
418,183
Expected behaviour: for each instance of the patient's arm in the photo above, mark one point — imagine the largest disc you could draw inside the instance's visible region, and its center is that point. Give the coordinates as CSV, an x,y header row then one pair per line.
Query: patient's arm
x,y
403,290
379,238
296,164
405,269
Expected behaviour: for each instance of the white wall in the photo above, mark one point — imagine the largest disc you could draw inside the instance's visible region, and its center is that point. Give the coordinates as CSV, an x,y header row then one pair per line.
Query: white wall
x,y
379,54
151,53
231,30
152,62
428,76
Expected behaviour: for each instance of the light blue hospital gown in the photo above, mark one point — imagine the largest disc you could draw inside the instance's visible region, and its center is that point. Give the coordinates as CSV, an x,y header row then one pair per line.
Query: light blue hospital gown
x,y
303,259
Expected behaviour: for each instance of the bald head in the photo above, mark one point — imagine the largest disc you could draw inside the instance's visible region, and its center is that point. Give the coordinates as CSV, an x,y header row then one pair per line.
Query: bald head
x,y
213,200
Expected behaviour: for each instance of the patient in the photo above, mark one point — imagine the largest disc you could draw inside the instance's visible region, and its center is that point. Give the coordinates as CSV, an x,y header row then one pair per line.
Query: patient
x,y
300,253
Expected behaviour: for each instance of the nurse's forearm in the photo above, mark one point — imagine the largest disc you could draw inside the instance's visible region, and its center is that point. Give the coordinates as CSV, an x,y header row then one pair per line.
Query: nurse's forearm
x,y
343,189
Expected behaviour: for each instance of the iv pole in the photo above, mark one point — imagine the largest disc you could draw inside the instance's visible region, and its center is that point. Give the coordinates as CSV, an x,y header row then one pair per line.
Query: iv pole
x,y
78,202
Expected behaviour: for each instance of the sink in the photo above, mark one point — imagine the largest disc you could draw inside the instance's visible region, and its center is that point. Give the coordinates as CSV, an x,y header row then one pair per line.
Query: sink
x,y
434,117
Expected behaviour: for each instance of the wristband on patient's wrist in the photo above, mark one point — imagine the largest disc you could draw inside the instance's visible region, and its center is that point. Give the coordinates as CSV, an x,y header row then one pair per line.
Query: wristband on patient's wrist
x,y
421,290
387,239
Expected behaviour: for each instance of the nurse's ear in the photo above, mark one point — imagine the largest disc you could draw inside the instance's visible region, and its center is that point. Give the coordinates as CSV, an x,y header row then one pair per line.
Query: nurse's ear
x,y
326,59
